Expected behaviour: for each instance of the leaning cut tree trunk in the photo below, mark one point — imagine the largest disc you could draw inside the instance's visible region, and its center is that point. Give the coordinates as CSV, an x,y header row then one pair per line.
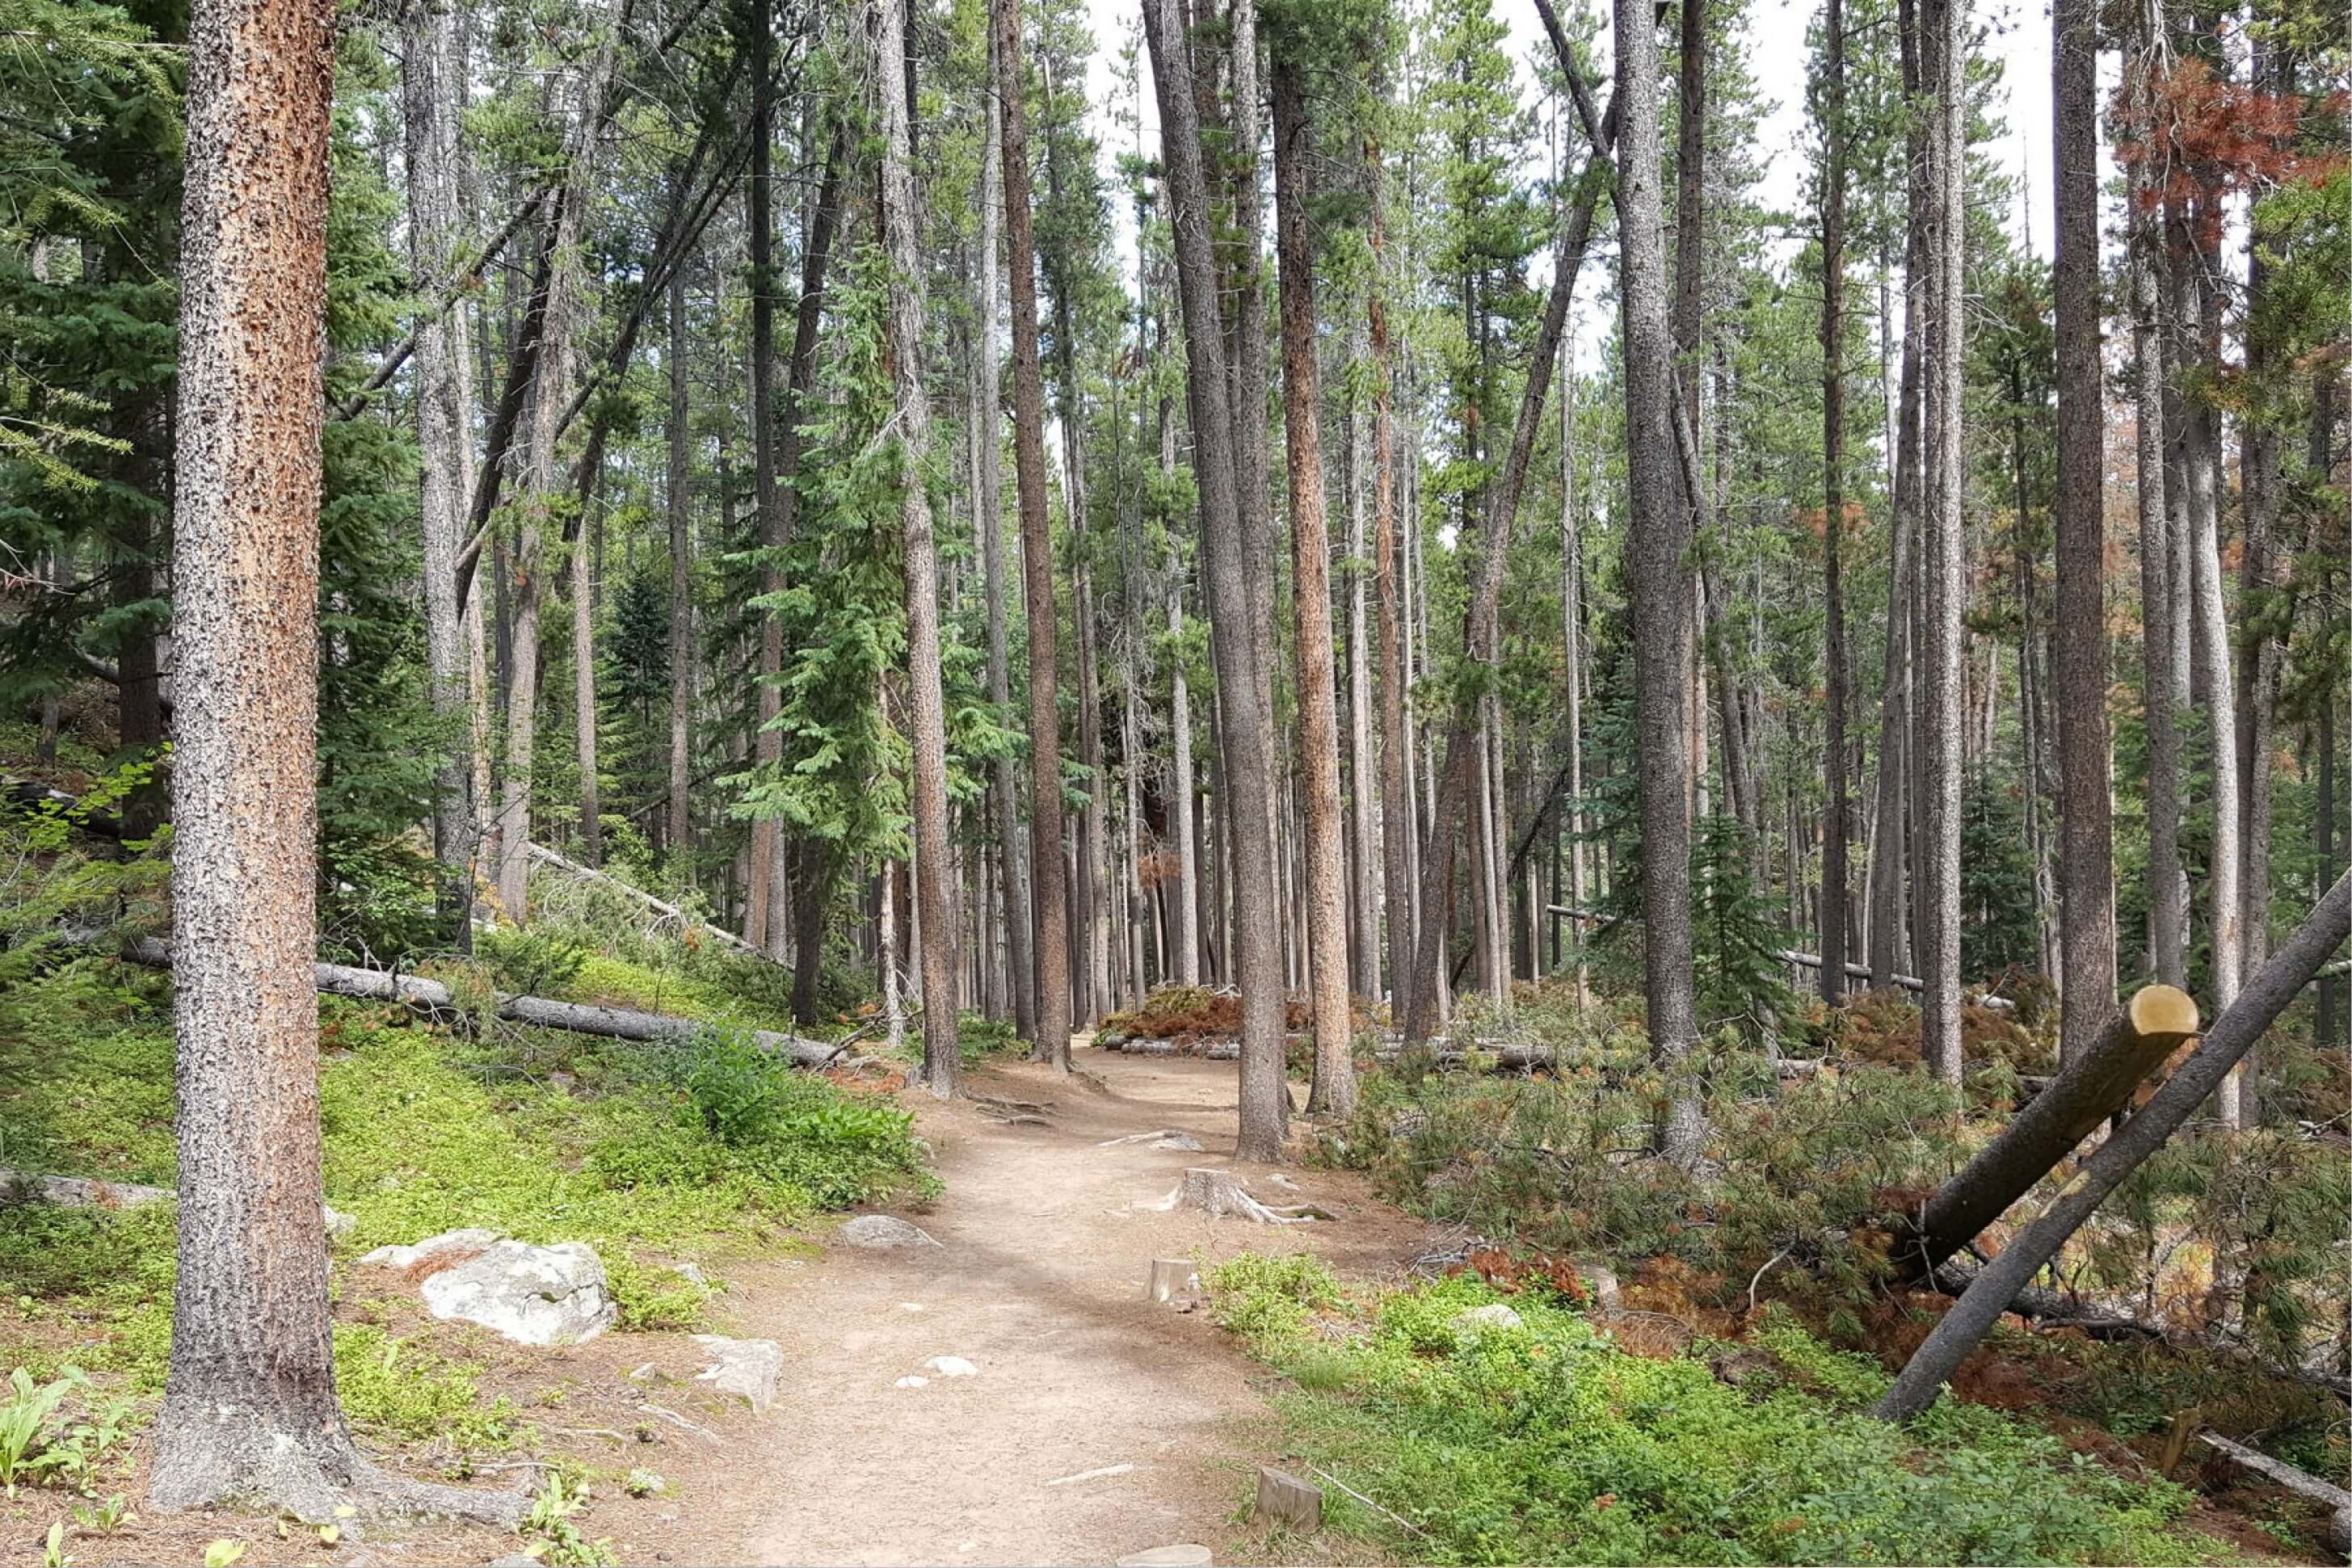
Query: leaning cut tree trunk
x,y
432,997
2235,1035
2053,1123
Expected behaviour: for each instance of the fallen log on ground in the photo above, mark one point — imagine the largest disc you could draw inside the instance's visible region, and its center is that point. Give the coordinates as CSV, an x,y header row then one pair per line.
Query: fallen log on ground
x,y
573,868
2245,1021
432,997
2278,1472
2047,1128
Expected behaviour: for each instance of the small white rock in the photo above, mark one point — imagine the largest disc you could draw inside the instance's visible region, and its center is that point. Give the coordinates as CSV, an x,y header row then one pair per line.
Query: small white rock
x,y
951,1366
912,1307
1477,1320
747,1368
912,1381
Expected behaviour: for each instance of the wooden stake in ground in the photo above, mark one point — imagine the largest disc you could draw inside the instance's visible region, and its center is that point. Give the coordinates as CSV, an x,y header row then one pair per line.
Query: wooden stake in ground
x,y
249,1407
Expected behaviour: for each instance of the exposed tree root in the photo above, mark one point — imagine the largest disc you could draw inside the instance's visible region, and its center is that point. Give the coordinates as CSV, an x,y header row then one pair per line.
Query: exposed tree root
x,y
1216,1193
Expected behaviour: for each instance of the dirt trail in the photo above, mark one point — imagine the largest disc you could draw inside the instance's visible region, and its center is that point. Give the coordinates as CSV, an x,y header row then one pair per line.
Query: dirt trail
x,y
1039,1282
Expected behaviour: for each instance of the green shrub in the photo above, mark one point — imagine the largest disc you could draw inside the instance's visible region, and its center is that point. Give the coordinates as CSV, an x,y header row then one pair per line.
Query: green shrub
x,y
392,1388
1549,1444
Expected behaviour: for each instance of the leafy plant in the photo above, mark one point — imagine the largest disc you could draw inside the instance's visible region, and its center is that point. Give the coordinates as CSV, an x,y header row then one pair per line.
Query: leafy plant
x,y
104,1518
554,1536
28,1446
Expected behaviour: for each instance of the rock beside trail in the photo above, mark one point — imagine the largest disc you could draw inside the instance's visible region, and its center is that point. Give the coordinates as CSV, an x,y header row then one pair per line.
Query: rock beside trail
x,y
747,1368
883,1230
449,1248
1176,1140
951,1366
92,1192
1477,1319
533,1295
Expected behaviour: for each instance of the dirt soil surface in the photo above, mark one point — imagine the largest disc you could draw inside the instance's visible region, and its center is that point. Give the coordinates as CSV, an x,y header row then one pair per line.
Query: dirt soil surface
x,y
1045,1242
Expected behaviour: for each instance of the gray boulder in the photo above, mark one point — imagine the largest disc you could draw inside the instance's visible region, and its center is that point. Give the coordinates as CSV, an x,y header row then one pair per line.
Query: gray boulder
x,y
450,1247
747,1368
883,1230
531,1295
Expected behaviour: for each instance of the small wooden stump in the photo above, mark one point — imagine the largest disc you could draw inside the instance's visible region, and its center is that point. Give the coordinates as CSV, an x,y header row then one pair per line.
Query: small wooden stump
x,y
1173,1280
1182,1554
1285,1499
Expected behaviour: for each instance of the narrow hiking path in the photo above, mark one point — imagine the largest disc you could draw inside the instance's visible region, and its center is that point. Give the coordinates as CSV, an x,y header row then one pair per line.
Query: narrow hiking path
x,y
1038,1281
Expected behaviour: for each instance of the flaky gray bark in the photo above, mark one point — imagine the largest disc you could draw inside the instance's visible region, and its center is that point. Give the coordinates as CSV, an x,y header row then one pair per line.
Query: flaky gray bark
x,y
1334,1090
1942,695
1661,585
679,499
1051,1040
1246,818
2086,848
1835,832
431,96
1004,798
549,391
901,233
2160,628
763,911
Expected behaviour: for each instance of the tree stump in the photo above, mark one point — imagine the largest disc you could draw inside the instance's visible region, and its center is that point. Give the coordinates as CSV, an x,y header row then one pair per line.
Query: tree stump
x,y
1283,1497
1216,1193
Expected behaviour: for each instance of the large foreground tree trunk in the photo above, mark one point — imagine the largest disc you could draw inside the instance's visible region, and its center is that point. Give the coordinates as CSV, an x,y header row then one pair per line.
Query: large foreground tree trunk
x,y
250,1406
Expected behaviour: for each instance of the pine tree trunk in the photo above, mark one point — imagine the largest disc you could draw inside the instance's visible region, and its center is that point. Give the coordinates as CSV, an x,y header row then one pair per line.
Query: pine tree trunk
x,y
1659,581
901,234
2086,848
1325,913
1397,826
429,102
2159,630
800,877
1005,798
249,1405
1943,595
549,391
1050,1042
1247,819
759,220
1364,947
679,499
1835,832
